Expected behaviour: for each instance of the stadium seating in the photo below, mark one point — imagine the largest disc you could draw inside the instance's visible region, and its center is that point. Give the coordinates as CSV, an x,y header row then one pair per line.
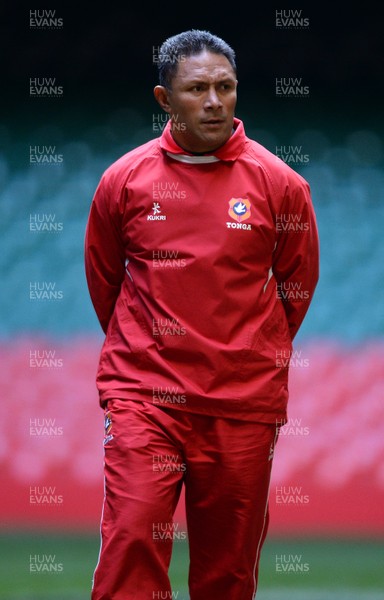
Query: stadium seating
x,y
330,455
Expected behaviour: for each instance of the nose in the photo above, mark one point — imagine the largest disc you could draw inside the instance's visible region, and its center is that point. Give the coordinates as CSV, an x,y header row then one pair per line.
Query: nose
x,y
212,100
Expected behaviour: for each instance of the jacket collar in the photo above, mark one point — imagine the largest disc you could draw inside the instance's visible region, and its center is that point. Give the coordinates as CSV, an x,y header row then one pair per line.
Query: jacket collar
x,y
228,152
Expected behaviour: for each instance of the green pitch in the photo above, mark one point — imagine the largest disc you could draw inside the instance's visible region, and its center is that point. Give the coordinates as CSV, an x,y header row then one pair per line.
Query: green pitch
x,y
37,566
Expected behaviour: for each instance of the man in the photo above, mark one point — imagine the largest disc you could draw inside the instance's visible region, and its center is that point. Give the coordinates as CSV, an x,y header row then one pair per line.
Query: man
x,y
193,242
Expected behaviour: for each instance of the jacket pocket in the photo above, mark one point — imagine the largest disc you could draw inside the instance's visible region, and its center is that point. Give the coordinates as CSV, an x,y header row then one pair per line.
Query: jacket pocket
x,y
272,339
127,326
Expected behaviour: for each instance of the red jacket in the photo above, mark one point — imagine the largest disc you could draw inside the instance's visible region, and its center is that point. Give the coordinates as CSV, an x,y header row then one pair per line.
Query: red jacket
x,y
201,270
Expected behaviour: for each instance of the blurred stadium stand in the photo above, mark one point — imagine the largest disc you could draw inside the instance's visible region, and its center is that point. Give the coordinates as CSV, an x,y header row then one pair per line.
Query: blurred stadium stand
x,y
329,457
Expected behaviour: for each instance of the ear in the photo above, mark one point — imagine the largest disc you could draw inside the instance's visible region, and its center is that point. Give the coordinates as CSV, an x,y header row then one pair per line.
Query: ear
x,y
161,94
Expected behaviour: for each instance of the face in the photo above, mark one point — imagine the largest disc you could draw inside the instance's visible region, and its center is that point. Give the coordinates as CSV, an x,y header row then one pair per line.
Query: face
x,y
201,102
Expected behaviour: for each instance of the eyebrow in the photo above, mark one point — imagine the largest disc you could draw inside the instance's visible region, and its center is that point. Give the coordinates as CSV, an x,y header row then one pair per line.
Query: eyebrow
x,y
225,79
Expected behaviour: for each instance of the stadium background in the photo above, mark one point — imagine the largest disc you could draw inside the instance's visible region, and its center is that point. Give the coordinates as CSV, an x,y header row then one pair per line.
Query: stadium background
x,y
327,491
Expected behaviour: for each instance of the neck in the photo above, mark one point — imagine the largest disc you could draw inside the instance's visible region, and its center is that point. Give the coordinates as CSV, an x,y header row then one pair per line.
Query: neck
x,y
201,152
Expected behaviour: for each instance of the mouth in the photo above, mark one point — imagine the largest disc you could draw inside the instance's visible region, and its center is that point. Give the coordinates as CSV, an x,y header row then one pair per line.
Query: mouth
x,y
213,122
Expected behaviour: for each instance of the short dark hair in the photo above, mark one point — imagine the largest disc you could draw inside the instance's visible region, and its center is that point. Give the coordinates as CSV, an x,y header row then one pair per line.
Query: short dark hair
x,y
189,43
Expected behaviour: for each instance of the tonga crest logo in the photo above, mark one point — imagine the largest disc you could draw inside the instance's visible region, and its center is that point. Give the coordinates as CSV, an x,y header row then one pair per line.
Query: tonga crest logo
x,y
239,209
107,427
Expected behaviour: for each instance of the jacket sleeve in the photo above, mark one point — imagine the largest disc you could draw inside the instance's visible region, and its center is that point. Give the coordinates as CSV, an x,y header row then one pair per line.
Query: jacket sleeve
x,y
104,253
296,256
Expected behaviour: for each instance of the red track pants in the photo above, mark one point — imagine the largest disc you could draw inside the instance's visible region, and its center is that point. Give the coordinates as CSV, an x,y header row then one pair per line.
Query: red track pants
x,y
225,465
